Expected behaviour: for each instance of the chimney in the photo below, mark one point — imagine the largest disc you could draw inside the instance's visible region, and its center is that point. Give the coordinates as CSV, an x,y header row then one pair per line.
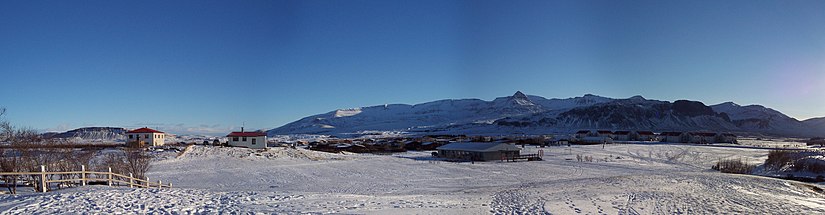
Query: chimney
x,y
241,129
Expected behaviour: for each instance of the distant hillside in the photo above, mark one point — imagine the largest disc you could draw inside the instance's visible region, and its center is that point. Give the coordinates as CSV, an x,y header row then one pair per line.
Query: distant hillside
x,y
528,114
92,133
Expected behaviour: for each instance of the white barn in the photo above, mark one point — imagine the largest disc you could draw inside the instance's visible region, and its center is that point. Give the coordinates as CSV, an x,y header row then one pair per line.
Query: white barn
x,y
254,140
145,136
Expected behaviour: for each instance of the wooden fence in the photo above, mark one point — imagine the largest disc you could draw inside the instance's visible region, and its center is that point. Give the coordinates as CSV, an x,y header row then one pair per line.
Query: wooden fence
x,y
43,179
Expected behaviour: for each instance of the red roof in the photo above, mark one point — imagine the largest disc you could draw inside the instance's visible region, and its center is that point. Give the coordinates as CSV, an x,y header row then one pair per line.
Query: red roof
x,y
144,130
246,134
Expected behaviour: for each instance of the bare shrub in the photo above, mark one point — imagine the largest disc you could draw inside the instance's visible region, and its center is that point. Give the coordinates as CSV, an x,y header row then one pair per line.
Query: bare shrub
x,y
138,162
10,162
735,166
778,159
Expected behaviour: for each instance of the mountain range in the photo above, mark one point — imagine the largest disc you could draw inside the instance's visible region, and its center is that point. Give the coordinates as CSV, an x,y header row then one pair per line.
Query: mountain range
x,y
529,114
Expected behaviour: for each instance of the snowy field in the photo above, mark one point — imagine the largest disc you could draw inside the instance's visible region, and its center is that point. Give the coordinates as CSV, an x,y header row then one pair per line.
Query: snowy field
x,y
646,178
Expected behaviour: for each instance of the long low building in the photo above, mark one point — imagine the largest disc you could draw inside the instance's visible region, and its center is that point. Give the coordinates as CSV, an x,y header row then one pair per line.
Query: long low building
x,y
478,151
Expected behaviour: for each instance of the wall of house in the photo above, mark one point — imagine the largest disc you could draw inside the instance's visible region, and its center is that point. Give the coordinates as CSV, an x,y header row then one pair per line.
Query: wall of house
x,y
152,139
260,142
477,156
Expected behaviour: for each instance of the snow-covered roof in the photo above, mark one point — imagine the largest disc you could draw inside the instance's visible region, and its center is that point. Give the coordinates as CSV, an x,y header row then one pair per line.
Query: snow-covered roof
x,y
479,147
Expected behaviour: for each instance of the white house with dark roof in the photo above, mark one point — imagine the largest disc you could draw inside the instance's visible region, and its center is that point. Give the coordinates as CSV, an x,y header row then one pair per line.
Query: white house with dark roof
x,y
254,140
145,136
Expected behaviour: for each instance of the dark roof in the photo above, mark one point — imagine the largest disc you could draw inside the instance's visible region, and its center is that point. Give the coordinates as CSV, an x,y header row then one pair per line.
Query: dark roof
x,y
246,134
645,132
621,132
144,130
671,133
705,134
583,132
479,147
604,132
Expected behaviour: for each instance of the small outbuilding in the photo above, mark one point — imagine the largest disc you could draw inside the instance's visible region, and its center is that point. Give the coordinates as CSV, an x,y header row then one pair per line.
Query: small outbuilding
x,y
254,140
478,151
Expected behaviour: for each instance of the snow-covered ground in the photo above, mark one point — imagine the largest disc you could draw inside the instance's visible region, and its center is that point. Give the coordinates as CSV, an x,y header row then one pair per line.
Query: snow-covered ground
x,y
645,178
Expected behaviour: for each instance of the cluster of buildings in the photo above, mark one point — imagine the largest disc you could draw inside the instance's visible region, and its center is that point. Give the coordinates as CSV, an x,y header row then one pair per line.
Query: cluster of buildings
x,y
606,136
143,137
462,150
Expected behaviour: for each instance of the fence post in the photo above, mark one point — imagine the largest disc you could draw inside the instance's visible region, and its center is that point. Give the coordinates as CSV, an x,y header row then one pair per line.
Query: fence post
x,y
147,182
131,181
110,176
83,175
170,185
43,177
160,185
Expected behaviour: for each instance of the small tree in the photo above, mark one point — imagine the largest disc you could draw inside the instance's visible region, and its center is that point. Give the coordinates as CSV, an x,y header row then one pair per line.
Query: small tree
x,y
137,161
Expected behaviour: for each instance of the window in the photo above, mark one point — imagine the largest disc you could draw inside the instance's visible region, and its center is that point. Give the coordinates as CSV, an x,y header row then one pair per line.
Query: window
x,y
146,136
130,136
234,138
253,141
244,138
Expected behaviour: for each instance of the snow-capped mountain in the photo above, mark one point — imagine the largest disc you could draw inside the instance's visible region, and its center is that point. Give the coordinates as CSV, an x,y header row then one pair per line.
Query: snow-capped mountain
x,y
93,133
759,118
529,114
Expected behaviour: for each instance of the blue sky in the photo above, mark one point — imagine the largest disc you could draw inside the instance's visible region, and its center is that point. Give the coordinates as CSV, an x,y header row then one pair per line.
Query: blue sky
x,y
209,66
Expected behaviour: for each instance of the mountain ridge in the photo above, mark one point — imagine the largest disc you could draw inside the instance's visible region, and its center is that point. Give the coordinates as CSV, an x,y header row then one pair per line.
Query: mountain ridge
x,y
530,114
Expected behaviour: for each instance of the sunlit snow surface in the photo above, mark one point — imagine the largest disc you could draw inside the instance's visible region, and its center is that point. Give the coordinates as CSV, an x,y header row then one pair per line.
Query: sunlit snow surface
x,y
623,179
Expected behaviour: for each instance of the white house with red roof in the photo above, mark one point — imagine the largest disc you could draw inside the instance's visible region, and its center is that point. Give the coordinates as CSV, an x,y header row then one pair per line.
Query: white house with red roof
x,y
254,140
145,136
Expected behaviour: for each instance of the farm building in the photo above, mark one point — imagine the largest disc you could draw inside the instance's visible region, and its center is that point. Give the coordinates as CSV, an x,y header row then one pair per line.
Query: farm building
x,y
255,139
584,133
595,140
624,135
703,137
605,133
478,151
646,135
145,136
675,137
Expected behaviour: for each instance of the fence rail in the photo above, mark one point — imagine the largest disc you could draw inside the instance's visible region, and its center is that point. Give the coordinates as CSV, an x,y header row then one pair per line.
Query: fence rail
x,y
43,179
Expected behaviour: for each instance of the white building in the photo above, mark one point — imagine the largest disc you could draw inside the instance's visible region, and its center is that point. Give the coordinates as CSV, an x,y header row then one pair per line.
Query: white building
x,y
254,140
145,136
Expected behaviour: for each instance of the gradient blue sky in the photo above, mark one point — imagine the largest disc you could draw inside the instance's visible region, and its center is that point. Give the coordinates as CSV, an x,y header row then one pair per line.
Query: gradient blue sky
x,y
208,66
